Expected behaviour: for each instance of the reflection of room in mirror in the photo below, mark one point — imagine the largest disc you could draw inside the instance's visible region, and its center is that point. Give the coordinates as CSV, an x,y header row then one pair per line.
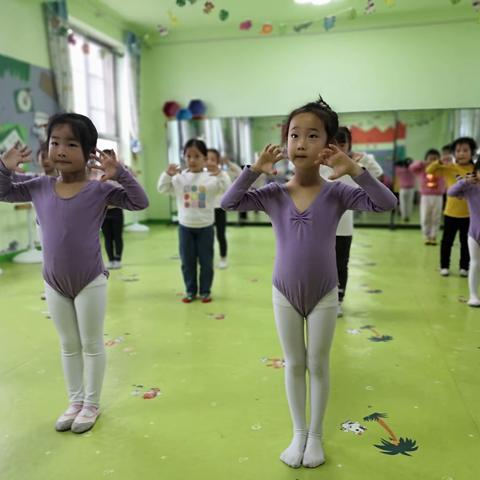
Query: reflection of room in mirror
x,y
390,136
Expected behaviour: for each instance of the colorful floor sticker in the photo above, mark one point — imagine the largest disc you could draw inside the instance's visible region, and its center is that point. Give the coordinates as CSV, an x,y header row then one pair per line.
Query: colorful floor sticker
x,y
393,446
150,394
130,278
216,316
377,336
274,362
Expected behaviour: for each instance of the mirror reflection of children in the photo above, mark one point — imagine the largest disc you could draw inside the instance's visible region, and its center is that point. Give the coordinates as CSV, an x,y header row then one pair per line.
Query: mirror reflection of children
x,y
469,189
406,183
456,214
213,164
304,213
195,190
432,189
112,229
70,209
344,234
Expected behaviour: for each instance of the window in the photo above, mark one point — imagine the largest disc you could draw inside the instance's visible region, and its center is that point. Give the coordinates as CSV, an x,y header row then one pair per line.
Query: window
x,y
94,85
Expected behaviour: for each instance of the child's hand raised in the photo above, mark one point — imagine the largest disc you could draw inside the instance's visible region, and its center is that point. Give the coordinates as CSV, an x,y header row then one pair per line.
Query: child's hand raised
x,y
107,162
471,178
268,158
339,161
15,156
215,172
172,169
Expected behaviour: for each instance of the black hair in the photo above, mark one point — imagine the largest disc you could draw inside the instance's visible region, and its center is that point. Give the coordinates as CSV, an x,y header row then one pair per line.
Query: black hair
x,y
82,127
344,135
42,150
198,144
323,111
215,151
448,147
432,151
404,162
465,140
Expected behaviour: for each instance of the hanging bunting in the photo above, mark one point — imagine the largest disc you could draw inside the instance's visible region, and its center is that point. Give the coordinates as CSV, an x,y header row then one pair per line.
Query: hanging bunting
x,y
192,2
454,2
162,30
173,18
246,25
208,7
71,37
223,15
267,29
181,3
329,22
370,8
302,26
282,28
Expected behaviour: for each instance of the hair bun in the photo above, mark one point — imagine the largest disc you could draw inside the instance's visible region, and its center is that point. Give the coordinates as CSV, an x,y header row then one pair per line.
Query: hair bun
x,y
322,103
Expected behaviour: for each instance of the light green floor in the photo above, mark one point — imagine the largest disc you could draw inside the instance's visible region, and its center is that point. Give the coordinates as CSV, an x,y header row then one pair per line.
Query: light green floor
x,y
222,412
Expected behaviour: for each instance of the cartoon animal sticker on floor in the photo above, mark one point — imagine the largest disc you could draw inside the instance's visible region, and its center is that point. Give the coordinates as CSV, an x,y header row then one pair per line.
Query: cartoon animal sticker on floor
x,y
216,316
377,336
129,278
152,393
353,427
114,342
394,445
274,362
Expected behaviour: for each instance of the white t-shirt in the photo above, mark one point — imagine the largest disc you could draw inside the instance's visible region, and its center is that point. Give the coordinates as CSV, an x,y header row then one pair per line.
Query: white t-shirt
x,y
195,194
345,224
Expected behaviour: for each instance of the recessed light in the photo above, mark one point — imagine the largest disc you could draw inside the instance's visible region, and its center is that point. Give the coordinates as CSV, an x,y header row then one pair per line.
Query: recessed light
x,y
313,2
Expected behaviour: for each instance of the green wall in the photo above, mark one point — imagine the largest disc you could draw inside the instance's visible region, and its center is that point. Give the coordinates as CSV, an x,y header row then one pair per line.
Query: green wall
x,y
399,68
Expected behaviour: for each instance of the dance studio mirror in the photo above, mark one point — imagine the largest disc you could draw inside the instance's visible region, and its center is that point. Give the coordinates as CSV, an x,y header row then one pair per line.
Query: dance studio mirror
x,y
393,137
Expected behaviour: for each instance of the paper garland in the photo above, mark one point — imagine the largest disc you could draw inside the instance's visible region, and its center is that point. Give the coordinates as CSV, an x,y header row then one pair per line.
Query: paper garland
x,y
370,8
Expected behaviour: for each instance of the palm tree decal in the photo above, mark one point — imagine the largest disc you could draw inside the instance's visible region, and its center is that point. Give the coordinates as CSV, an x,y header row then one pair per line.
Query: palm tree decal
x,y
377,336
396,445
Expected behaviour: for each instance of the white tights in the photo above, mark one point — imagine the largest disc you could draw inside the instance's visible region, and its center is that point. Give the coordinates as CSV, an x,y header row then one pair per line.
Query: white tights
x,y
79,323
474,269
300,357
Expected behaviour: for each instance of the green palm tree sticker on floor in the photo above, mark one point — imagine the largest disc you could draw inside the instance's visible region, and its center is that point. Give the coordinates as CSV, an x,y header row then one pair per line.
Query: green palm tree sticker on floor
x,y
377,336
396,445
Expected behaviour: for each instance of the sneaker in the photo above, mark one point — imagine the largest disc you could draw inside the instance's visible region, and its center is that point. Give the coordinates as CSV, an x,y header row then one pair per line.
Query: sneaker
x,y
444,272
339,310
86,419
64,422
463,272
43,296
473,302
111,265
206,298
188,298
223,263
433,241
117,264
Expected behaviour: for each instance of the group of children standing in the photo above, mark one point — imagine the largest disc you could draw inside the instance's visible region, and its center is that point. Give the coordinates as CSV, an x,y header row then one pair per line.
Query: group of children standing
x,y
305,212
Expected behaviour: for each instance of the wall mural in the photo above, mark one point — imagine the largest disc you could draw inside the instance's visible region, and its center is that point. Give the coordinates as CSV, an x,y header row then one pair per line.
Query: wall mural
x,y
28,99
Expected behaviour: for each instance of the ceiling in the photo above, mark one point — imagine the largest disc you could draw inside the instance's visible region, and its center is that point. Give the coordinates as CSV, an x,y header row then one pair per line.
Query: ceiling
x,y
147,15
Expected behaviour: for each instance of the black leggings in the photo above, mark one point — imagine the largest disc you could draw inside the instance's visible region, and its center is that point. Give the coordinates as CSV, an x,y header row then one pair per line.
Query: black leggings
x,y
220,227
342,249
112,229
450,227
